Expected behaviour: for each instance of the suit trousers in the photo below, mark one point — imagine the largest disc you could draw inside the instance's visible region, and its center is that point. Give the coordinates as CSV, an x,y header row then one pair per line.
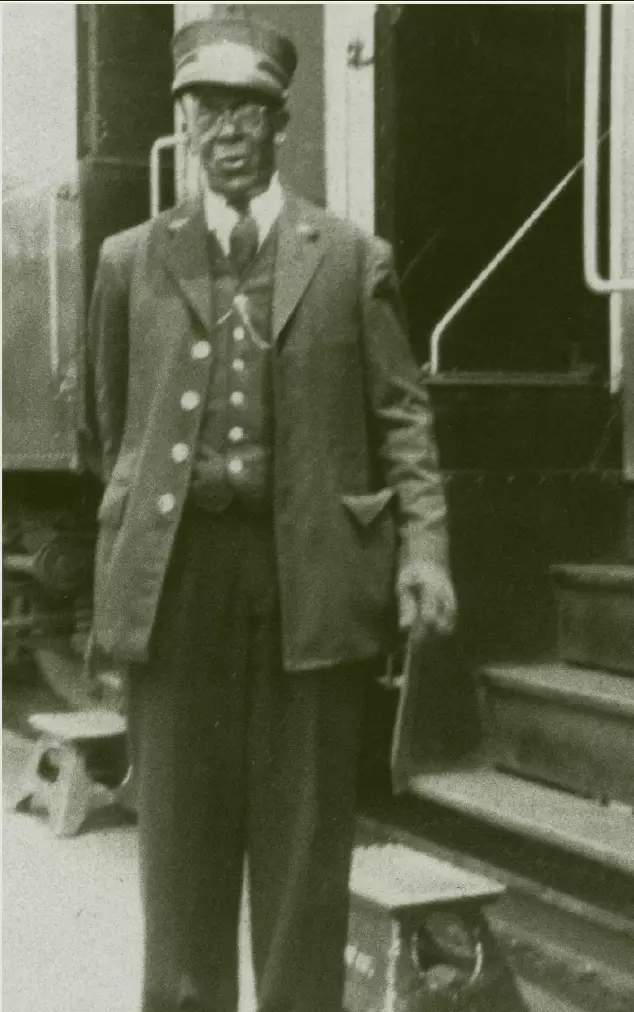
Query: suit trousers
x,y
234,756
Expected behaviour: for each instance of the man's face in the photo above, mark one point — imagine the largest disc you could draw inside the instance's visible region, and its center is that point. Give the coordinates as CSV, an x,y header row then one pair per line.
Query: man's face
x,y
233,130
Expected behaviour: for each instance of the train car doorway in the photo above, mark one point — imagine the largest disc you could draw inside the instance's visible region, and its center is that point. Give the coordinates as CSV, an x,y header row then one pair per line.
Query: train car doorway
x,y
481,113
479,139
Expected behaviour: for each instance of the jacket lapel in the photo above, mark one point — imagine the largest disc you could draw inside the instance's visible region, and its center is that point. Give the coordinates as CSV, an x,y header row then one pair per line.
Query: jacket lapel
x,y
300,249
184,252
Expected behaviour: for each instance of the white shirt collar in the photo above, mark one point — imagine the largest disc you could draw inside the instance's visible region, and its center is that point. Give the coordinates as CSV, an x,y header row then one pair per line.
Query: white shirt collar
x,y
265,209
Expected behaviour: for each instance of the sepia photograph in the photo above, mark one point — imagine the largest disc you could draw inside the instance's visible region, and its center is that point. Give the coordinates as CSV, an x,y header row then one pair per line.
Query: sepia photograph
x,y
318,507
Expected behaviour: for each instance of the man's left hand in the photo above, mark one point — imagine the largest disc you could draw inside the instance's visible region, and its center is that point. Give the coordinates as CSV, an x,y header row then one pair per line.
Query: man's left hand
x,y
426,598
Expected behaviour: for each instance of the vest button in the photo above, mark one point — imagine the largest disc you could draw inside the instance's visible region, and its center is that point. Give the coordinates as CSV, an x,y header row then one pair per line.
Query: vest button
x,y
190,400
238,365
236,434
201,349
238,334
237,398
166,503
235,466
179,452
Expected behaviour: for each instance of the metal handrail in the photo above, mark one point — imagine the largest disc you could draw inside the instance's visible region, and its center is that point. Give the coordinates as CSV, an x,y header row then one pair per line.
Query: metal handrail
x,y
441,327
170,142
594,280
590,163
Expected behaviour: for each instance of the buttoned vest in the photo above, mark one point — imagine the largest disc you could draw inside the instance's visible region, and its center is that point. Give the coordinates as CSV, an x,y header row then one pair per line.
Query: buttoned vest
x,y
233,459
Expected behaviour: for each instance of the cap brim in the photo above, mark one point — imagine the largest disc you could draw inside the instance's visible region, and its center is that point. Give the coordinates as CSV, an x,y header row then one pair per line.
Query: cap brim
x,y
230,66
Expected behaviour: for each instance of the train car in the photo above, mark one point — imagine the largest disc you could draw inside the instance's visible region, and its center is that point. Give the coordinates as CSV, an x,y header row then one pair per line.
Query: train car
x,y
75,169
494,146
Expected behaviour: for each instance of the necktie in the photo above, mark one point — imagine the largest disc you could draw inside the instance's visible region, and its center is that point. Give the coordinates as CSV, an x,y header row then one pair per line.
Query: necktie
x,y
243,242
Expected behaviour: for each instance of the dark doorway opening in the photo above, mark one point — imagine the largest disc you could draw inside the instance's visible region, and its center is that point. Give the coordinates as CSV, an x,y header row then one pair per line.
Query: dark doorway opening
x,y
480,115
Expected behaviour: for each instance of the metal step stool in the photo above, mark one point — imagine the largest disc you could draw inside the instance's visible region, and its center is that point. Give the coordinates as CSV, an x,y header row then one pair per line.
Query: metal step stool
x,y
418,940
58,777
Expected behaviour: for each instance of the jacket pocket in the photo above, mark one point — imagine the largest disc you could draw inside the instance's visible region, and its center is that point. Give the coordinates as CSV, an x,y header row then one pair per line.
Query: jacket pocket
x,y
113,505
366,508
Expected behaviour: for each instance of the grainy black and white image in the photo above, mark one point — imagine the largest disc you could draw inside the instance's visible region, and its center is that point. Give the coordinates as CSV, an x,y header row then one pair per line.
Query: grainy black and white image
x,y
318,507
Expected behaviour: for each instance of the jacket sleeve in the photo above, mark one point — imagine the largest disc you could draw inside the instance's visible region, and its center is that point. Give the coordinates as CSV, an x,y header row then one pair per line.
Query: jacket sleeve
x,y
401,415
106,365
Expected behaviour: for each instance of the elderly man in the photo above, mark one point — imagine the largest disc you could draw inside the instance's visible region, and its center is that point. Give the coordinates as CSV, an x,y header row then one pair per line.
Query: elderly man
x,y
272,501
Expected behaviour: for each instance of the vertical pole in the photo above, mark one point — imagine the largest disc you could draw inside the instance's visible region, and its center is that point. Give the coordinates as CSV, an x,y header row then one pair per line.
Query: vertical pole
x,y
617,98
624,25
623,15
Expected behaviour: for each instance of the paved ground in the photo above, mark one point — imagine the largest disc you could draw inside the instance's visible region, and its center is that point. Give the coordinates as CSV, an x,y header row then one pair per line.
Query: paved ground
x,y
72,925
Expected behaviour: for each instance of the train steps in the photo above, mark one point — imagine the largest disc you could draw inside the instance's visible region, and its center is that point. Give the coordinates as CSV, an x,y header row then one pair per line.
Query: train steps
x,y
604,834
561,725
595,611
547,801
557,762
566,952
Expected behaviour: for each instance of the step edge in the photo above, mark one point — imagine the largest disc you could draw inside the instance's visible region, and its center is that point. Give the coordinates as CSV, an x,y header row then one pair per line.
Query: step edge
x,y
521,683
418,785
515,883
616,576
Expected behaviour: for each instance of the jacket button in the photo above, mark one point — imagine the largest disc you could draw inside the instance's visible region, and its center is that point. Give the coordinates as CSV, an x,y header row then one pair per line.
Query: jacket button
x,y
201,349
237,398
166,503
235,466
180,452
190,400
236,434
238,334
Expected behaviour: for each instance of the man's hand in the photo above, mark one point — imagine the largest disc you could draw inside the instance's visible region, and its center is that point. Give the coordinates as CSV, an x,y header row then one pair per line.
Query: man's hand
x,y
426,598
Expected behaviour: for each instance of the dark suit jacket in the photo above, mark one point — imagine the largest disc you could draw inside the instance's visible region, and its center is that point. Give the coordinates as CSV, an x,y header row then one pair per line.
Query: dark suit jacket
x,y
355,467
